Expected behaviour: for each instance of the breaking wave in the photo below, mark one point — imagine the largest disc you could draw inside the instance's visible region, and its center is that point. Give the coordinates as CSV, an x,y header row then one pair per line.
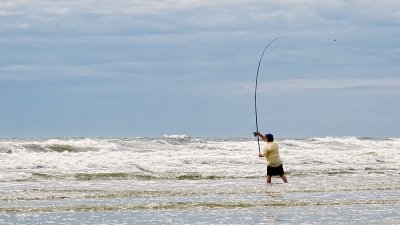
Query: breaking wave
x,y
179,157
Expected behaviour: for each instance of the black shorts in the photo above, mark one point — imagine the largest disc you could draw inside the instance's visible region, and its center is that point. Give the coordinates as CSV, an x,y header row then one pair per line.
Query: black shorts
x,y
275,171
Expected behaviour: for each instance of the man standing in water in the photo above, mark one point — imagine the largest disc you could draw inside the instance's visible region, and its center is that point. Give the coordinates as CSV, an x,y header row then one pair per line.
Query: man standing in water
x,y
271,154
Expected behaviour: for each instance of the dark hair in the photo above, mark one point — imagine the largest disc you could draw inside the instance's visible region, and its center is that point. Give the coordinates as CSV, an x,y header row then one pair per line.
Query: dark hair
x,y
269,137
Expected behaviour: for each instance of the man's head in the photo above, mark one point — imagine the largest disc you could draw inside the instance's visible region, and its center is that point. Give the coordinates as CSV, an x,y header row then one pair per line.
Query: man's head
x,y
270,137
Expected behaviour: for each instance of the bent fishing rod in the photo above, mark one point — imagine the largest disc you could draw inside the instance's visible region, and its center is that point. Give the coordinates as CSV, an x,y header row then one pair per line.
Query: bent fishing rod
x,y
255,89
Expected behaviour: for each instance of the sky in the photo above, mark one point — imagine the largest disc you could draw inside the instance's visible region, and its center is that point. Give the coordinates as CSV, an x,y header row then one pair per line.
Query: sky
x,y
138,68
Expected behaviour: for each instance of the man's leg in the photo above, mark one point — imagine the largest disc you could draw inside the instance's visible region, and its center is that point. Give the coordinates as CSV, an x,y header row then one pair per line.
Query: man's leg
x,y
269,179
284,178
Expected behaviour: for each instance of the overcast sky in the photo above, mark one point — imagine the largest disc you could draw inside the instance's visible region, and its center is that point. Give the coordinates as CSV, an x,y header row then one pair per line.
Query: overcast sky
x,y
147,68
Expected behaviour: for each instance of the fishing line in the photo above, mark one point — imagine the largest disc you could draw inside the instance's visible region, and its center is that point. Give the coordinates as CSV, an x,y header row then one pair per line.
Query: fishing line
x,y
255,89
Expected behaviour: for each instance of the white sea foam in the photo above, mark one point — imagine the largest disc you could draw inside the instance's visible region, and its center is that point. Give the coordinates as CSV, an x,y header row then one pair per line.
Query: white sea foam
x,y
181,157
176,136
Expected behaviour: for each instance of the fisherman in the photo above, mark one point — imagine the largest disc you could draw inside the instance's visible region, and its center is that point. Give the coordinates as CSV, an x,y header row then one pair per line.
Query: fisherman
x,y
271,154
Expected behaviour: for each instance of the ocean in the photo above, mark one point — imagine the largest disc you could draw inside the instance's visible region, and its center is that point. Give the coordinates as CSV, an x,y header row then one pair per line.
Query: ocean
x,y
178,179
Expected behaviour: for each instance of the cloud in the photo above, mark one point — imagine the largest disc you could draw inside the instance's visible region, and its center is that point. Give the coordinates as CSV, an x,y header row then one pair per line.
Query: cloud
x,y
208,13
296,85
199,35
324,84
136,17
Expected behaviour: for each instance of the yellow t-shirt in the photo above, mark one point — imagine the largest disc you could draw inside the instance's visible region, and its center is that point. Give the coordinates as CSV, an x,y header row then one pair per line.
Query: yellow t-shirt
x,y
271,154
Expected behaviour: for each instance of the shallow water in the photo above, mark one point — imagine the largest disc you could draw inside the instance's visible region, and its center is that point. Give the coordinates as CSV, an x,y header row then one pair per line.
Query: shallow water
x,y
352,214
231,201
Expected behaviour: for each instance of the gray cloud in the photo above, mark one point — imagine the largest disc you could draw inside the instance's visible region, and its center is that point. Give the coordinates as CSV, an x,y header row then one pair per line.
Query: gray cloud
x,y
300,85
324,84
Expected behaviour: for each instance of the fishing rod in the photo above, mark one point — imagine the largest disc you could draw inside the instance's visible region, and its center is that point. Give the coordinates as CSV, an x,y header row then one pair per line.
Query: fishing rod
x,y
255,89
